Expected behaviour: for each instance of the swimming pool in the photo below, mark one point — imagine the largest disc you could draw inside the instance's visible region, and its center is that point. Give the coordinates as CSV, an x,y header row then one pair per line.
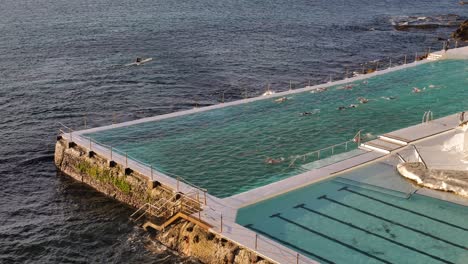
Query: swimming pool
x,y
224,150
335,222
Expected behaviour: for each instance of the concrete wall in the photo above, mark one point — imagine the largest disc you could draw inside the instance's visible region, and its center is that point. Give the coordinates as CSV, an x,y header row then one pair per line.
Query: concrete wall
x,y
135,190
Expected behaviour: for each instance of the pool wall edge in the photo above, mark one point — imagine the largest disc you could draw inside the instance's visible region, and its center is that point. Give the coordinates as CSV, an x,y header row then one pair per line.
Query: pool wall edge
x,y
458,53
183,236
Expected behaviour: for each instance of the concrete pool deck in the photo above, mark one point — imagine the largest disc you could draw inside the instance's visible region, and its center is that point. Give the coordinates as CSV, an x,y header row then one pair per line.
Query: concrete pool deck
x,y
221,213
226,209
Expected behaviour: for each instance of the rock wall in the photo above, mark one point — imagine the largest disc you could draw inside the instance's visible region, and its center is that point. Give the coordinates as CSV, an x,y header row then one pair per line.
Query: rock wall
x,y
444,180
135,190
462,32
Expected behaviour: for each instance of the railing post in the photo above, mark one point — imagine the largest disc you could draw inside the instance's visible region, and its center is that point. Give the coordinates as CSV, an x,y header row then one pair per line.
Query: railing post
x,y
151,168
333,149
198,196
256,241
221,223
178,183
204,194
390,63
405,59
318,154
297,258
222,100
416,56
90,144
126,160
346,145
110,152
85,125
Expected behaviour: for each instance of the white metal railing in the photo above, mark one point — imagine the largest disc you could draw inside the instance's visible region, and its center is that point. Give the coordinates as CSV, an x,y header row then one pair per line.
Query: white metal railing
x,y
123,158
418,156
261,244
357,139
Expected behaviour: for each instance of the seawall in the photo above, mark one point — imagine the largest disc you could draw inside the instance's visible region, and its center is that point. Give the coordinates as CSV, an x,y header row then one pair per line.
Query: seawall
x,y
114,180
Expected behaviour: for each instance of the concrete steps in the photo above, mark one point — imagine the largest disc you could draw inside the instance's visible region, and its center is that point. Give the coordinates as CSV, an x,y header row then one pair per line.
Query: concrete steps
x,y
175,217
384,144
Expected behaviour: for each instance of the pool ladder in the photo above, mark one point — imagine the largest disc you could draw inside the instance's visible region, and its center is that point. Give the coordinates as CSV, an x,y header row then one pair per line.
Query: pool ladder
x,y
427,117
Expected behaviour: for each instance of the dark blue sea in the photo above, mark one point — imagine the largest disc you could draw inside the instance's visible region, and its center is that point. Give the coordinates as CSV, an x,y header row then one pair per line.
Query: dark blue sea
x,y
64,61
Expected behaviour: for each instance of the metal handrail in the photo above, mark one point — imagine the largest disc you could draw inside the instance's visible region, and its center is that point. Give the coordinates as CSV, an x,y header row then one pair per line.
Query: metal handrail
x,y
332,147
420,157
149,166
427,117
258,237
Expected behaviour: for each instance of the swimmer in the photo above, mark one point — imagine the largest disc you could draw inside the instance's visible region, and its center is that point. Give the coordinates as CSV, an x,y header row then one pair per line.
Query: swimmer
x,y
365,82
352,106
389,97
319,90
273,161
341,108
138,60
310,113
281,100
431,86
346,87
416,90
363,100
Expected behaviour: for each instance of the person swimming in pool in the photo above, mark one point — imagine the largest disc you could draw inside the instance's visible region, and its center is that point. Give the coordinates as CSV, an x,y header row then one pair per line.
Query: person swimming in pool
x,y
273,161
363,100
341,108
416,90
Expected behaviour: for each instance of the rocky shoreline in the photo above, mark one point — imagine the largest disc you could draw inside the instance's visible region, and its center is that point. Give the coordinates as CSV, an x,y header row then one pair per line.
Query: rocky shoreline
x,y
461,33
134,189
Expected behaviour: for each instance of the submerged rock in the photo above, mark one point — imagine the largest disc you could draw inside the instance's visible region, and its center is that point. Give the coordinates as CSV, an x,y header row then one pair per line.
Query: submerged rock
x,y
423,22
462,32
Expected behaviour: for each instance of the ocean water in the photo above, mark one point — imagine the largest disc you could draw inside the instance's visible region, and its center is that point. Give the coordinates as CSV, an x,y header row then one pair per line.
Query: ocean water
x,y
224,150
62,61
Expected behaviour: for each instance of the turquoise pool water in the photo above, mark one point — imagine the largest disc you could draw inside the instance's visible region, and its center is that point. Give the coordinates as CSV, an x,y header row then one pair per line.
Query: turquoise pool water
x,y
224,150
337,223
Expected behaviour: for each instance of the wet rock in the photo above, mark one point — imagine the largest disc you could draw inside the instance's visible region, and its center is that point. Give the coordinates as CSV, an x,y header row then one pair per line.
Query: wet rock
x,y
462,32
455,181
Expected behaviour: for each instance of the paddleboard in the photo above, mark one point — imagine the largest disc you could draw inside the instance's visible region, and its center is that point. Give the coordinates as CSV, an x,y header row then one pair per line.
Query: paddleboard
x,y
139,63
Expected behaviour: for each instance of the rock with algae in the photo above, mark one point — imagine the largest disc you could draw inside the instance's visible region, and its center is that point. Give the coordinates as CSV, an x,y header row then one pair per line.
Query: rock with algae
x,y
455,181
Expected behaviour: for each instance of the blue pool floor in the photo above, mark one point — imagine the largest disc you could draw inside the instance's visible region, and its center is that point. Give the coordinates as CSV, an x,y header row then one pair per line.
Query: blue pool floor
x,y
337,223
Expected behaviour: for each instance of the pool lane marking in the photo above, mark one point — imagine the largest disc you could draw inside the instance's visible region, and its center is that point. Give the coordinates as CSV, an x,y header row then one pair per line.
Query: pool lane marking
x,y
250,226
392,222
278,215
302,206
404,209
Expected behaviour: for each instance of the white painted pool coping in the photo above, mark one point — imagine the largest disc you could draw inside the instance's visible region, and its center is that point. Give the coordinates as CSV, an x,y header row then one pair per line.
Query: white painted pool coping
x,y
450,54
227,208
